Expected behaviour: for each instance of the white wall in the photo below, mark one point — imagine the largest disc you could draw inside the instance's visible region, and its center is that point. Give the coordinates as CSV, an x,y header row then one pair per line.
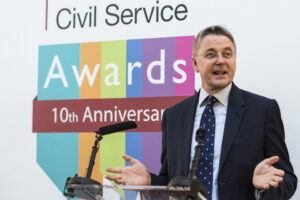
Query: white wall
x,y
21,177
267,35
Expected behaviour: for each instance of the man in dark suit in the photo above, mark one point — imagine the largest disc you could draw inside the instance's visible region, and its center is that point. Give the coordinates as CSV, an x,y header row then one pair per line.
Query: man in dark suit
x,y
244,148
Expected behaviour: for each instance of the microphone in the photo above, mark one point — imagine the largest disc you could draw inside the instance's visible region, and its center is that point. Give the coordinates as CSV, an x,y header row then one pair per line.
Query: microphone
x,y
191,180
116,127
70,191
200,133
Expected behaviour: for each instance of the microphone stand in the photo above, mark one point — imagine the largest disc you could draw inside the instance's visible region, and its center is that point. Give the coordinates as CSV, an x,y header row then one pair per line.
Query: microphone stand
x,y
70,192
95,148
192,181
90,193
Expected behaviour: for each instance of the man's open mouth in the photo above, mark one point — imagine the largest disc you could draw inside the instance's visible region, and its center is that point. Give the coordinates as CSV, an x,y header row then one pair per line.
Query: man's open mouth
x,y
219,72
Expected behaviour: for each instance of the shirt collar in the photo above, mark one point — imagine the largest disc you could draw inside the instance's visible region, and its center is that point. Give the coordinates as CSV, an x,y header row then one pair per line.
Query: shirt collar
x,y
222,96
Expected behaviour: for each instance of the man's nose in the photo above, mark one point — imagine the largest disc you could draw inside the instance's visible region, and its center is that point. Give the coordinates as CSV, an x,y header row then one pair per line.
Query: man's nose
x,y
220,59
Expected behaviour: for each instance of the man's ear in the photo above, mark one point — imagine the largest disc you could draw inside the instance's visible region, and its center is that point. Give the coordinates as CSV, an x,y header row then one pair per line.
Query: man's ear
x,y
195,66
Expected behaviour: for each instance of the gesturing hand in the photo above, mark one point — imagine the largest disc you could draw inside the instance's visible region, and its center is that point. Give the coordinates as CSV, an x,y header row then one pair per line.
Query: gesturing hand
x,y
265,175
136,174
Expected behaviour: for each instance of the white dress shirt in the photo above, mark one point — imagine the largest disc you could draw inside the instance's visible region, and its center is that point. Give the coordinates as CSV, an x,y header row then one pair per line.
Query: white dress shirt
x,y
220,110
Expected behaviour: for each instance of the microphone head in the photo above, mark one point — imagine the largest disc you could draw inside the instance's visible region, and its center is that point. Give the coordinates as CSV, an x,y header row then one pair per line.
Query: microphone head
x,y
200,133
117,127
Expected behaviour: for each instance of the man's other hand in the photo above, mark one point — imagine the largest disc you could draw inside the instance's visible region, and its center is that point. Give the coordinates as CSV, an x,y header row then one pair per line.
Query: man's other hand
x,y
265,175
136,174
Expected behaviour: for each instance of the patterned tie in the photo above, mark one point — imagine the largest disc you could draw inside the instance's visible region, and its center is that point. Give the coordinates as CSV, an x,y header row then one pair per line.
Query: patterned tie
x,y
205,165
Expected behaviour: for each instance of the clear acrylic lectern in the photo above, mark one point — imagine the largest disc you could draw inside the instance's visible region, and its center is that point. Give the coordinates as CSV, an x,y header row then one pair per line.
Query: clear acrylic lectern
x,y
95,191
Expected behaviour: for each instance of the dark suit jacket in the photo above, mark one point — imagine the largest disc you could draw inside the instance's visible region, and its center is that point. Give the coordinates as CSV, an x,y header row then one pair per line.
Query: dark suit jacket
x,y
253,132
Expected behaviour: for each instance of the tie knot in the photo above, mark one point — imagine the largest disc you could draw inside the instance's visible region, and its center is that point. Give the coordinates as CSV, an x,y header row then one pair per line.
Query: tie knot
x,y
211,100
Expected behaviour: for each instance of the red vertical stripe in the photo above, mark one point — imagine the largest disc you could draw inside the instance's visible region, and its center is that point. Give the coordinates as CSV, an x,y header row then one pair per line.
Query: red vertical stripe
x,y
46,23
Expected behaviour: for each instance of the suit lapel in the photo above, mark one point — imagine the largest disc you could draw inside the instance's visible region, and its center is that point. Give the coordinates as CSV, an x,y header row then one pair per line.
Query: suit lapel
x,y
188,124
235,110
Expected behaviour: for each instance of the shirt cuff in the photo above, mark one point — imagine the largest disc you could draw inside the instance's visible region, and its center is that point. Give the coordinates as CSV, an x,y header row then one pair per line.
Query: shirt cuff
x,y
259,194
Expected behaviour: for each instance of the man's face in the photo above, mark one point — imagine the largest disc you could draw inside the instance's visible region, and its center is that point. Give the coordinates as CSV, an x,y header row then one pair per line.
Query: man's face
x,y
216,62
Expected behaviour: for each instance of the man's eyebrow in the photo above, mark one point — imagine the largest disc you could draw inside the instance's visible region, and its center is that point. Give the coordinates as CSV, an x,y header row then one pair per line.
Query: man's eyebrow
x,y
213,49
210,49
227,48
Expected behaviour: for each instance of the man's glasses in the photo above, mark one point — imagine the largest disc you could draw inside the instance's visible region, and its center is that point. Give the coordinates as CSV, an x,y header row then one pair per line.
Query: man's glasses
x,y
212,54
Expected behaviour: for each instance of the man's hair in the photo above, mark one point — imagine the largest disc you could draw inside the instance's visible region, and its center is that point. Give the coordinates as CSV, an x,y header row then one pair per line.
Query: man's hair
x,y
211,30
